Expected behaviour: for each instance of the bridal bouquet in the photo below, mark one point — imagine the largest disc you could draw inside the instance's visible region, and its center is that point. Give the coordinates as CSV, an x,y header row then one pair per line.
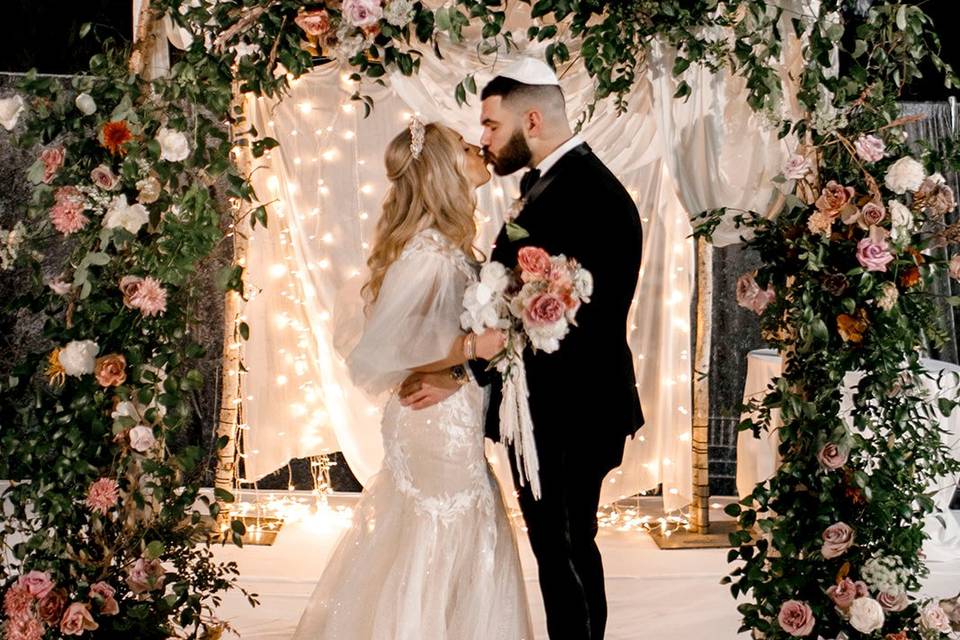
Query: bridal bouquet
x,y
533,304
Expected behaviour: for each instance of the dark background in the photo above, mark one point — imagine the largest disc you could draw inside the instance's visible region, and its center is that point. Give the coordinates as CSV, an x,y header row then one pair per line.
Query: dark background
x,y
43,34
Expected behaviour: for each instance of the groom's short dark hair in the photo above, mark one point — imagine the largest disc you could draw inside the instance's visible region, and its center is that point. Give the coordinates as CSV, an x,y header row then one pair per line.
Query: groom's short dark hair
x,y
545,95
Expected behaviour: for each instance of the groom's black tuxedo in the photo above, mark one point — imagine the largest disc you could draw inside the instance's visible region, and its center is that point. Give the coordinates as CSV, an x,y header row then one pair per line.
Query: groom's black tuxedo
x,y
583,397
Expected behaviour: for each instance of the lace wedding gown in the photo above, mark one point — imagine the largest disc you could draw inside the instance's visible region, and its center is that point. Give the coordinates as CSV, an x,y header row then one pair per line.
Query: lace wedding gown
x,y
431,554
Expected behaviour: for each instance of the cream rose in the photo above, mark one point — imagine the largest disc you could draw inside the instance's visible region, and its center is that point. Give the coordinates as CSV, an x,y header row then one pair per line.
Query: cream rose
x,y
173,145
906,174
866,615
79,357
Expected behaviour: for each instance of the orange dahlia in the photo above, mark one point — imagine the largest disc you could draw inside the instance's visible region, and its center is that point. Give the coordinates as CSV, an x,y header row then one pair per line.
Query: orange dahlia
x,y
910,277
115,135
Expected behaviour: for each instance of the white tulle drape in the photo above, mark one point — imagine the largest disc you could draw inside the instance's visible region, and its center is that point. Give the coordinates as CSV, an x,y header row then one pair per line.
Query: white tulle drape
x,y
325,182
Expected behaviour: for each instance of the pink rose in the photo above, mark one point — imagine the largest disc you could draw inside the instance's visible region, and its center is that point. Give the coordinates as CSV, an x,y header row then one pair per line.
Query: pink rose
x,y
314,23
534,262
105,594
129,285
870,148
102,495
51,607
38,583
872,214
110,370
544,309
796,618
145,575
834,199
750,296
832,457
362,13
76,620
873,252
890,602
52,159
103,177
846,591
837,538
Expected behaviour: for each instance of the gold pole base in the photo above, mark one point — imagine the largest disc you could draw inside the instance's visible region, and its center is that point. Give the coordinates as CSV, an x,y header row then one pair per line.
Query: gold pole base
x,y
716,537
260,531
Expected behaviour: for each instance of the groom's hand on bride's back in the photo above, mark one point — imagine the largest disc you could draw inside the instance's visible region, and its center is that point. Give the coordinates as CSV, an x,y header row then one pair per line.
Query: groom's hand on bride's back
x,y
422,390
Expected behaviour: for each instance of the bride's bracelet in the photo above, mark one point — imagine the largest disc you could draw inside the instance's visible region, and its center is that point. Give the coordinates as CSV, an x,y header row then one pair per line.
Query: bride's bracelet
x,y
470,346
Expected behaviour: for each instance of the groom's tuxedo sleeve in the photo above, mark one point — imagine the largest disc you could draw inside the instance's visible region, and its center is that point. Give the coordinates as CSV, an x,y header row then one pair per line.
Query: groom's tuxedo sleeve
x,y
479,370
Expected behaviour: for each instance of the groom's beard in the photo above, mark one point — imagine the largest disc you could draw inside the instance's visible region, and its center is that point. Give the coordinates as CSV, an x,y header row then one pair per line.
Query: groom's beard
x,y
514,156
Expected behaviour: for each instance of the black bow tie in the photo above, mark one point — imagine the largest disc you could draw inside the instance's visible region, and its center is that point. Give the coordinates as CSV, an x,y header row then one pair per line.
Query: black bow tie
x,y
528,180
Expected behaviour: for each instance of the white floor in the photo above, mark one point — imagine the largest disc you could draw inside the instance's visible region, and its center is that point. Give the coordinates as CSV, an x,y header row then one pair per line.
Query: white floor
x,y
652,593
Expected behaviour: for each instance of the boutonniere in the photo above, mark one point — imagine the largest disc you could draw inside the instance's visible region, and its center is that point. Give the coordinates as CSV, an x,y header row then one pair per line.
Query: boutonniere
x,y
514,231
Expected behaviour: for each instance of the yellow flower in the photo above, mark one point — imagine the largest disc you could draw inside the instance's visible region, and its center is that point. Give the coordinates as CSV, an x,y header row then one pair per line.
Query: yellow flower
x,y
55,370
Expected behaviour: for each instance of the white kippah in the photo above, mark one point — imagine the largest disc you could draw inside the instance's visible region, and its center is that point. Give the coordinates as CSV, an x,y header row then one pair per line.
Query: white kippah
x,y
531,71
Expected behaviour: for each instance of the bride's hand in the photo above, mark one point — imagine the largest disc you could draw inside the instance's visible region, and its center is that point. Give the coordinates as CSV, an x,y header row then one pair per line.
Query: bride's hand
x,y
490,343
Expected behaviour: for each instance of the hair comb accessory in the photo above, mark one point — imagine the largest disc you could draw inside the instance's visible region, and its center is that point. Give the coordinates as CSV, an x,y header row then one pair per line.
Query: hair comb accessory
x,y
417,132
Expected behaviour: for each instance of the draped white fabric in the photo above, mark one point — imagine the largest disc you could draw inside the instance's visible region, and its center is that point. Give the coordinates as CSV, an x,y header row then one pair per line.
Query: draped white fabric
x,y
325,183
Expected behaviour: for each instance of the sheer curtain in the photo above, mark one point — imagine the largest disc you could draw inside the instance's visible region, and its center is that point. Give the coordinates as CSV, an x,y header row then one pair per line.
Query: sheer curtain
x,y
324,184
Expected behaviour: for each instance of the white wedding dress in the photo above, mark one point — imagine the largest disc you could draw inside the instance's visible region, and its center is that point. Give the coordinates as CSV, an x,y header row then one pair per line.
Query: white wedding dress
x,y
431,554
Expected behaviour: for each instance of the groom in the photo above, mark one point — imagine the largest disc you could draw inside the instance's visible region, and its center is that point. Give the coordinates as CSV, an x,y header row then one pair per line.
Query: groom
x,y
583,397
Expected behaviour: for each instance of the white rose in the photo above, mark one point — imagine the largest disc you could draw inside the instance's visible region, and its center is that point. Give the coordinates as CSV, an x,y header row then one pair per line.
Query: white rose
x,y
583,284
901,220
935,618
796,167
547,338
141,438
125,409
173,145
79,357
86,104
866,615
906,174
10,110
399,13
122,214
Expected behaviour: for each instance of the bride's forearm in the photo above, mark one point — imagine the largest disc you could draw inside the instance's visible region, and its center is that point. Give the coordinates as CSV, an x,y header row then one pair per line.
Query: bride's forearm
x,y
453,358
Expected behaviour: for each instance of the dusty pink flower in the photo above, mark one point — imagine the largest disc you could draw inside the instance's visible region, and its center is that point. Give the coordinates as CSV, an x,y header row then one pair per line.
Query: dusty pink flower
x,y
873,252
832,457
872,214
145,575
26,629
17,602
77,619
544,309
67,211
535,263
846,591
362,13
38,583
870,148
933,617
834,199
110,370
150,297
103,495
51,607
52,159
837,538
937,197
751,296
821,223
105,594
890,602
60,286
796,618
314,23
104,178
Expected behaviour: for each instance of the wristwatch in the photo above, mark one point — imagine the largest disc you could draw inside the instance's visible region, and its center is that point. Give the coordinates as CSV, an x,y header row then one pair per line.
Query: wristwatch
x,y
459,374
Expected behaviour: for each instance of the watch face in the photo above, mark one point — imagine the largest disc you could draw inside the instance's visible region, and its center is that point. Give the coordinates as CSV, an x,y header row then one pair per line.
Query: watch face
x,y
458,372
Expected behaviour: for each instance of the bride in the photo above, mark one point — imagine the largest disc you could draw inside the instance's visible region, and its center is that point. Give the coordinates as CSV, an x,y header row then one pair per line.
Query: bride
x,y
431,553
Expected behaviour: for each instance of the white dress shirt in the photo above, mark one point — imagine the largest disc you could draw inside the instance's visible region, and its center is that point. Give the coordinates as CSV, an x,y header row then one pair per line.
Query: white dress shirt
x,y
558,153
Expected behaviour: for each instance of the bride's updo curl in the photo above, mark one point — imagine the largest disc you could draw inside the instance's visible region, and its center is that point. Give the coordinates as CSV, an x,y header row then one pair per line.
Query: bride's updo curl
x,y
431,190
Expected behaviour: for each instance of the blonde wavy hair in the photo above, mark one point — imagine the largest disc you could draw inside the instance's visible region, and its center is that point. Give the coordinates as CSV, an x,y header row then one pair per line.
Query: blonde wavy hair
x,y
429,191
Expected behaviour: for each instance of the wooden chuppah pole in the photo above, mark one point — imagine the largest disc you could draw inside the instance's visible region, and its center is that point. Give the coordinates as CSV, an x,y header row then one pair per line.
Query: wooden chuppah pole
x,y
700,435
231,391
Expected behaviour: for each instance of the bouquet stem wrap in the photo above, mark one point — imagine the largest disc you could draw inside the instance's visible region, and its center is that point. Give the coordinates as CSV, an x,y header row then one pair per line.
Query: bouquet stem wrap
x,y
516,423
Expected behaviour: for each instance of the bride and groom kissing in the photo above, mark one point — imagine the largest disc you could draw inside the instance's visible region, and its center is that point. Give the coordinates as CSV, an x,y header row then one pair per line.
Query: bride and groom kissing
x,y
431,554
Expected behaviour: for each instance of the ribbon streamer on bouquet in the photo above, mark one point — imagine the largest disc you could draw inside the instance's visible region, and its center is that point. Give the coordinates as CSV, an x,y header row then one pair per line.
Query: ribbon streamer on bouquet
x,y
516,423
